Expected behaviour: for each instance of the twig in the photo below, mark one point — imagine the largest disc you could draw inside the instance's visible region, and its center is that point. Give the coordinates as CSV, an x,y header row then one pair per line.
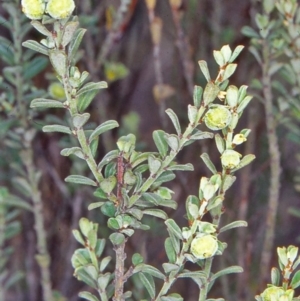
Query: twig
x,y
275,169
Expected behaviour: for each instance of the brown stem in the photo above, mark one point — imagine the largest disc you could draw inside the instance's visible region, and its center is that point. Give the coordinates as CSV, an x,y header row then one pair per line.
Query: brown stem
x,y
119,272
243,204
275,169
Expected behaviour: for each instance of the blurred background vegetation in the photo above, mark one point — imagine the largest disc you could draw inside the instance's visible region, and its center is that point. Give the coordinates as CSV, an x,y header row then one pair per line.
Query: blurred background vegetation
x,y
144,79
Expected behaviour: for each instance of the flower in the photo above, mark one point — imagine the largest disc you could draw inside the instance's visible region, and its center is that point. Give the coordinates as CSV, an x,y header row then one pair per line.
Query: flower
x,y
217,118
60,9
276,293
204,246
230,159
33,9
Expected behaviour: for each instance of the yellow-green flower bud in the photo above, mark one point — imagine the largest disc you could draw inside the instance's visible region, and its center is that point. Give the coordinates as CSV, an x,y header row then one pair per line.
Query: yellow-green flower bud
x,y
56,90
60,9
230,159
238,139
272,293
217,118
33,9
204,246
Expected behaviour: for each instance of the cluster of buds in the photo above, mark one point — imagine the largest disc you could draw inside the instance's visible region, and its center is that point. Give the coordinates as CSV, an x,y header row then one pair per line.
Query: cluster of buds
x,y
277,294
57,9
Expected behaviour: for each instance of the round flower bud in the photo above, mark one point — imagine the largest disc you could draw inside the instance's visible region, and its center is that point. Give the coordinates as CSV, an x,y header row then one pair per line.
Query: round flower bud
x,y
204,246
33,9
56,90
272,293
217,118
60,9
230,159
238,139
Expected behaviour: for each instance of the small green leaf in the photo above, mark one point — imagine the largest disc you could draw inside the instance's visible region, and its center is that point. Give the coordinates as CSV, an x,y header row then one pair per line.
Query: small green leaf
x,y
226,53
174,120
236,52
113,223
117,238
99,193
148,282
249,32
82,274
181,167
192,114
102,128
243,104
210,93
166,176
104,263
152,197
108,158
226,271
100,247
233,225
169,267
107,185
56,128
139,158
208,163
34,67
295,283
256,54
78,237
58,60
244,162
204,69
219,58
220,143
197,96
79,120
148,269
41,28
198,135
160,142
229,70
103,281
170,253
172,297
69,31
275,276
228,181
154,164
35,46
88,296
192,274
46,103
173,228
156,212
75,43
95,205
87,93
72,151
108,209
78,179
137,259
173,142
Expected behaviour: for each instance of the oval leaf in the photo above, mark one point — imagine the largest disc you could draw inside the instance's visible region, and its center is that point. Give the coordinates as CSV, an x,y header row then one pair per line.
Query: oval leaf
x,y
104,127
80,180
